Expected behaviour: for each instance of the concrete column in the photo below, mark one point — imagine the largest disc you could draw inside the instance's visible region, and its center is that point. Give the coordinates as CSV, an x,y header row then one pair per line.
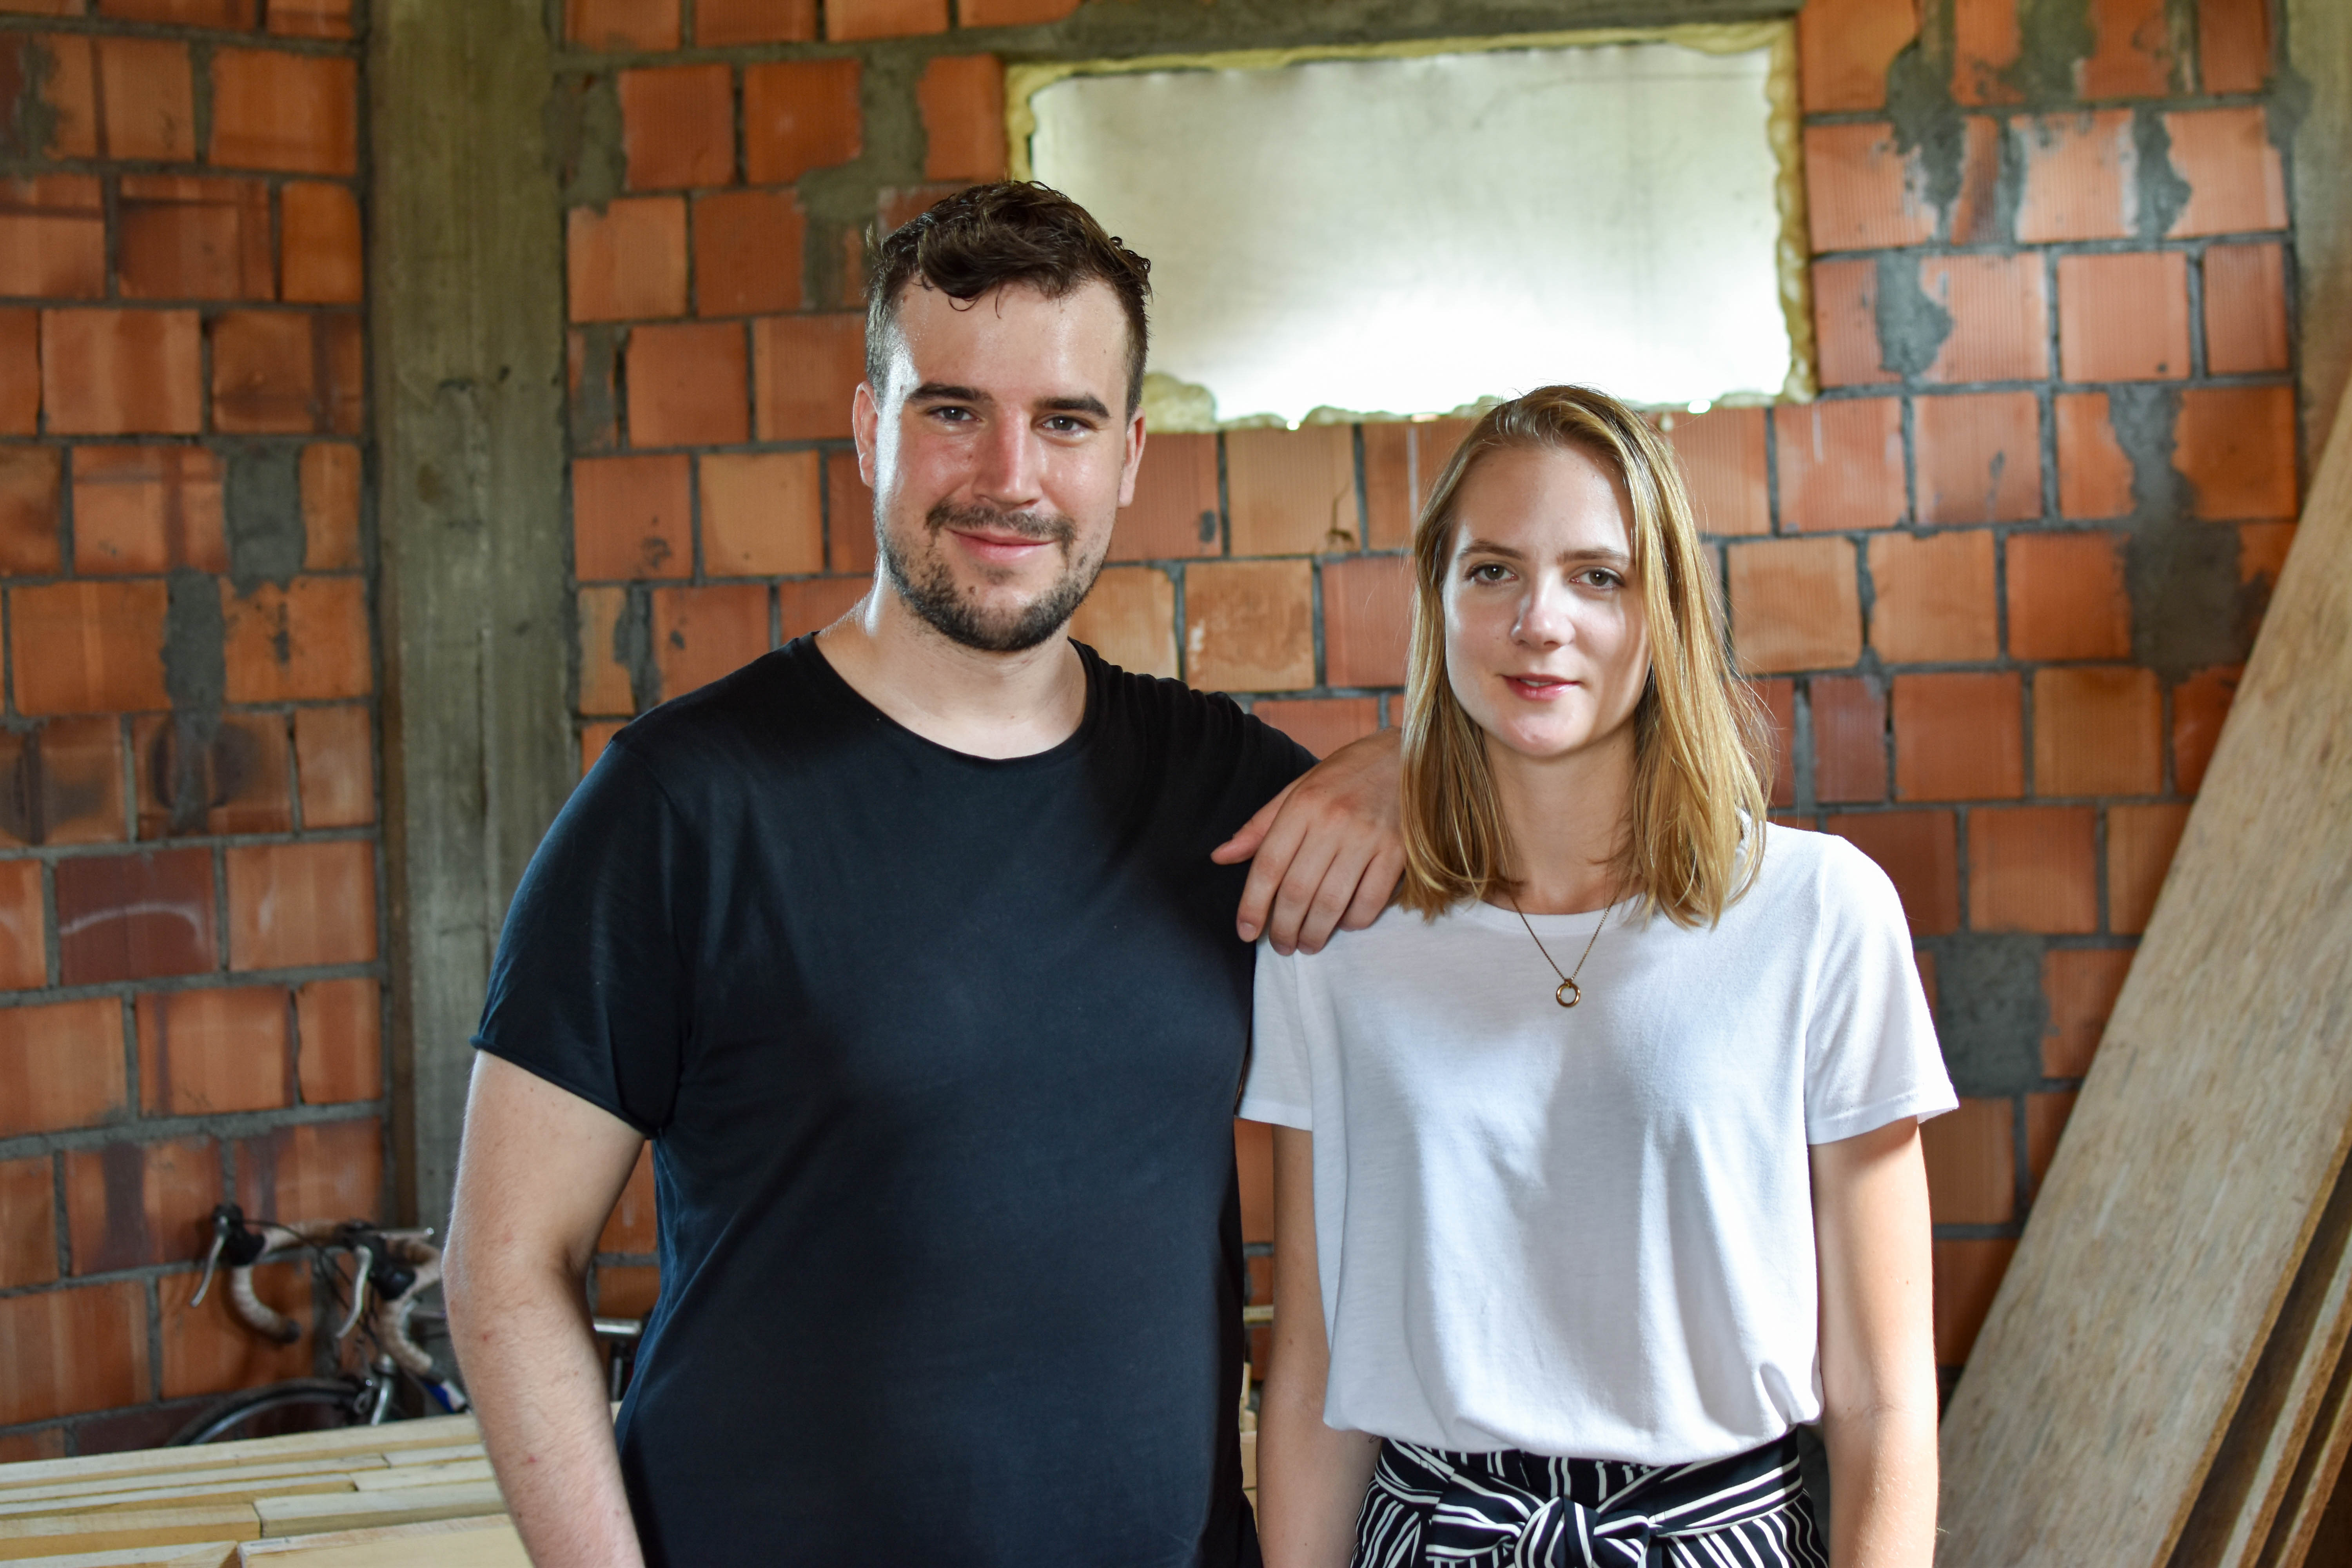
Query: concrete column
x,y
2319,48
466,266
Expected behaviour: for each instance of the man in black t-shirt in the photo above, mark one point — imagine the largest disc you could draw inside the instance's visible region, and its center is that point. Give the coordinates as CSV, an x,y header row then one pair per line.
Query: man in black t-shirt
x,y
906,945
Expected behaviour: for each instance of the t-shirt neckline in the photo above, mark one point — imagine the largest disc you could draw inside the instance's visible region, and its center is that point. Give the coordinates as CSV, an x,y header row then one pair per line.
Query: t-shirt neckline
x,y
1499,917
804,647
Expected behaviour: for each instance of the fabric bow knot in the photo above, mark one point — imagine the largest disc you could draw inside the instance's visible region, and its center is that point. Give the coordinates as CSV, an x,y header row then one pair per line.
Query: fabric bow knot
x,y
1484,1519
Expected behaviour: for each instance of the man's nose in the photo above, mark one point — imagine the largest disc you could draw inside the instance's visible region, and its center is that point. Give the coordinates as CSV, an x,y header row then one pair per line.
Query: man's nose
x,y
1010,466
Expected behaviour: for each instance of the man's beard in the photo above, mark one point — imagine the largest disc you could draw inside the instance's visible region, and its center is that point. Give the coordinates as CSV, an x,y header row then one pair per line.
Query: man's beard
x,y
930,586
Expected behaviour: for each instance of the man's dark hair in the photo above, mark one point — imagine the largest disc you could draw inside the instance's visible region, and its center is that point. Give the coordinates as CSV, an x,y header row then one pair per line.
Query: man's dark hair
x,y
1014,231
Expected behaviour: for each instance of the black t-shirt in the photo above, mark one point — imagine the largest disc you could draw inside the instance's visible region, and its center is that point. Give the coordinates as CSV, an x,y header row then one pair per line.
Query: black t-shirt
x,y
940,1056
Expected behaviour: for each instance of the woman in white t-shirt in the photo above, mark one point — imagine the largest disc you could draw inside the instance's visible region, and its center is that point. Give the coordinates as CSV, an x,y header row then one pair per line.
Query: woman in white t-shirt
x,y
1603,1145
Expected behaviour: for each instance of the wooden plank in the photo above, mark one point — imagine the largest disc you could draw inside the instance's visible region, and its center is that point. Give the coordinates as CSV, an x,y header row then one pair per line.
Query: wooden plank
x,y
198,1473
396,1478
453,1543
437,1431
441,1455
359,1510
2311,1489
23,1537
2207,1137
209,1555
207,1492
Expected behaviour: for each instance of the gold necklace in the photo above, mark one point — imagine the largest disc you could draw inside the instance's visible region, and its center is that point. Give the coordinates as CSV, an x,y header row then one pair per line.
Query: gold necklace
x,y
1569,993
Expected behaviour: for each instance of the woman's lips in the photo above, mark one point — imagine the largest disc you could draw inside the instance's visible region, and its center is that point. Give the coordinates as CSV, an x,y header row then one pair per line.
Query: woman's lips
x,y
1538,687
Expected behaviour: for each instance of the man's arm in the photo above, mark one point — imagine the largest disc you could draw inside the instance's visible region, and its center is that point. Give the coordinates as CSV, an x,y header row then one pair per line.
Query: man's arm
x,y
538,1173
1871,1233
1326,853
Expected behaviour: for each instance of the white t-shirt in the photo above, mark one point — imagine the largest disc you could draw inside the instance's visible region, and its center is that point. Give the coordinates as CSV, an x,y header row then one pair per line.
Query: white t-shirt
x,y
1589,1233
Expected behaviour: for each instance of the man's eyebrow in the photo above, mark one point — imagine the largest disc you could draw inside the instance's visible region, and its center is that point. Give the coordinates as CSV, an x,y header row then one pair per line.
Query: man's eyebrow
x,y
941,392
1084,403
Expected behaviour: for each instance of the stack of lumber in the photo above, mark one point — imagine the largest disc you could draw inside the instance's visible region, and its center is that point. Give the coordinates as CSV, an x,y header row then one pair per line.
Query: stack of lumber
x,y
357,1498
2162,1381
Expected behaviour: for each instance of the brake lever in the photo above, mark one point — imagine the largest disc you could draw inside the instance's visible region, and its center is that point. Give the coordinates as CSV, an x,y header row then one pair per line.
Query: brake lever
x,y
359,1292
232,1240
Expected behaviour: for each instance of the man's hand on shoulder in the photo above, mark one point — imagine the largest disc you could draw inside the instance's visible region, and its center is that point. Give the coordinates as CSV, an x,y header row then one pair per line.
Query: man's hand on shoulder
x,y
1326,852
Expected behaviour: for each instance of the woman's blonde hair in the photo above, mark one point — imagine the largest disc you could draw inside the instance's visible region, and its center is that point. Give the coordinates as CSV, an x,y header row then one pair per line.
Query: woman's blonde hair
x,y
1697,800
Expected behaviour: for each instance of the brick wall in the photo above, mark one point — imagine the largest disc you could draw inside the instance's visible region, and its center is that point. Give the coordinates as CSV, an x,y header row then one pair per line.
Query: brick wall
x,y
189,993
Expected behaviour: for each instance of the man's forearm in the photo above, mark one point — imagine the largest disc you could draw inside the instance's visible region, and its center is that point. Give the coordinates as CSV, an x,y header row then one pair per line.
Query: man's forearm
x,y
531,1368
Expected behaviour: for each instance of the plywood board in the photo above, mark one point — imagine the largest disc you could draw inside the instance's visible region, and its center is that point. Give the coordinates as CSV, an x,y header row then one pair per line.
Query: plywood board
x,y
359,1510
454,1543
438,1431
115,1531
2208,1137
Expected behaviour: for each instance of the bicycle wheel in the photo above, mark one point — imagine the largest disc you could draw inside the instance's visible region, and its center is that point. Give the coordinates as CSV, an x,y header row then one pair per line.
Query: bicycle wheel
x,y
301,1405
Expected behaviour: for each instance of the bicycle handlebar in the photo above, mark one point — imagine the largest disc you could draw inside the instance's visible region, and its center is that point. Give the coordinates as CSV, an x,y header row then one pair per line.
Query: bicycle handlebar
x,y
395,1266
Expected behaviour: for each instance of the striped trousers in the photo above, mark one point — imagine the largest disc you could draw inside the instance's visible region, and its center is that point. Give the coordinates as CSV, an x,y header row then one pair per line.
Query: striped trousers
x,y
1430,1509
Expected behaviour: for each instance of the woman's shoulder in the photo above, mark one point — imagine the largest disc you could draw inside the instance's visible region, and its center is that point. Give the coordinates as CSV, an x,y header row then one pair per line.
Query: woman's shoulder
x,y
1829,873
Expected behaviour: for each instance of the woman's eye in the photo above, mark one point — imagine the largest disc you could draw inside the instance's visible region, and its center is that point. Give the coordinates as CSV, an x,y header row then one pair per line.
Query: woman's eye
x,y
1601,577
1488,572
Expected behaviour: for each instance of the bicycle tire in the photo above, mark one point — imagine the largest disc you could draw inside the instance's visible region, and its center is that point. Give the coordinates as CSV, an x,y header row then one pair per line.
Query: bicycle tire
x,y
332,1398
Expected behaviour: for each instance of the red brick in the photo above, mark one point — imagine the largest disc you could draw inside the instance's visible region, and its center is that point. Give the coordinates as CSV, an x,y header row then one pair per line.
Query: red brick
x,y
340,1027
806,370
52,231
29,489
1840,464
330,480
1367,620
1978,457
2132,57
851,19
24,931
65,67
149,99
747,252
206,1051
2066,597
816,603
2262,550
800,115
282,372
1249,626
1722,454
61,1063
604,680
1849,738
320,246
634,1227
1919,852
1971,1158
2140,844
2235,446
849,514
1013,13
1292,492
70,1351
1934,602
1843,47
20,379
2122,318
1795,604
2046,1114
147,510
133,917
237,784
2235,178
1175,513
678,126
1986,44
2097,729
702,634
2033,868
961,98
2245,310
295,112
1779,698
762,513
305,642
686,385
620,25
594,736
121,372
1975,214
1129,618
632,516
1845,324
2234,45
309,18
237,14
589,362
1402,462
334,753
2080,985
628,261
627,1291
2000,317
2094,472
1861,192
28,1237
2199,706
1959,737
1321,724
88,647
295,904
721,22
208,1350
65,784
1967,1274
317,1170
183,239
